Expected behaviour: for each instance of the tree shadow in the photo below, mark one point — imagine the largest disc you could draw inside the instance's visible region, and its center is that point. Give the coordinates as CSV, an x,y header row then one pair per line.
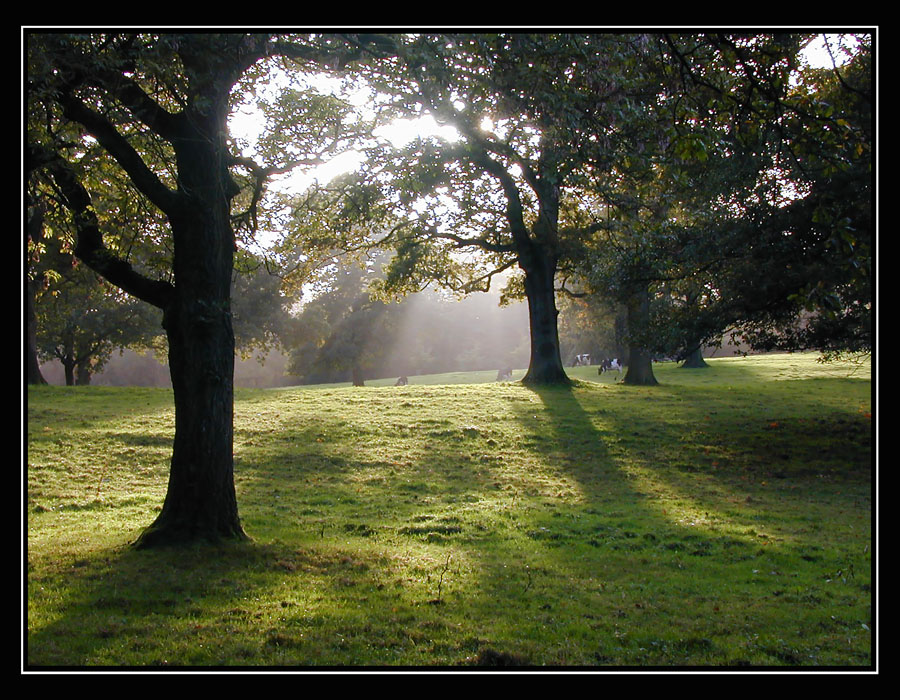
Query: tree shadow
x,y
337,472
592,497
693,447
665,505
190,606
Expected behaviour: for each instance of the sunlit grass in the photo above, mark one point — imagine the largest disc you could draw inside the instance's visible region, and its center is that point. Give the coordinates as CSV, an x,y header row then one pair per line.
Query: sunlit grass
x,y
722,518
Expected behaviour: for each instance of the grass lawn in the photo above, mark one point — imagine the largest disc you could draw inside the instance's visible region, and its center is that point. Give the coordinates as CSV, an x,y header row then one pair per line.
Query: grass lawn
x,y
722,519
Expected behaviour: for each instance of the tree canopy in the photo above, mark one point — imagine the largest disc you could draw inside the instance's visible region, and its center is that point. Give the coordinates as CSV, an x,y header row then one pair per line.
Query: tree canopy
x,y
636,165
666,171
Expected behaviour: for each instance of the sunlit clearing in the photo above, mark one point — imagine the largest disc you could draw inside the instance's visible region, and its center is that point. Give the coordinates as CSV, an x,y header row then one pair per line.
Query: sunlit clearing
x,y
680,508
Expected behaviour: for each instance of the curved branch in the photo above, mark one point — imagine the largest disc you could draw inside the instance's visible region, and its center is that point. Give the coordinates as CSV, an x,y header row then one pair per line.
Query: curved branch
x,y
89,245
483,243
145,108
515,214
119,148
475,285
375,45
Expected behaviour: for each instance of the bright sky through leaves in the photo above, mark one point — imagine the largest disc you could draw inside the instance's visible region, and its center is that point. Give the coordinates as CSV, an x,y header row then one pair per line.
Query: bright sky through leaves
x,y
246,123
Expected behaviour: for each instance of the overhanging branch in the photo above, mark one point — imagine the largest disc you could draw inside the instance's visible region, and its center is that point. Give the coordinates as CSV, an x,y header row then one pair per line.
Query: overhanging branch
x,y
89,245
119,148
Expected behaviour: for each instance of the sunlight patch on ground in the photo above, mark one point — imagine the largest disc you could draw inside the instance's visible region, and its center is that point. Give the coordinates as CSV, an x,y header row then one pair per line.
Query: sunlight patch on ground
x,y
677,506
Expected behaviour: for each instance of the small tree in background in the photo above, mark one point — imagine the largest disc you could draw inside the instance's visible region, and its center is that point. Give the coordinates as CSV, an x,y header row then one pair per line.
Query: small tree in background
x,y
82,320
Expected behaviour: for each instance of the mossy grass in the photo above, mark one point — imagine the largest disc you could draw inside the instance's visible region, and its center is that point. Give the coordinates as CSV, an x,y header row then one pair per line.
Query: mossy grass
x,y
721,519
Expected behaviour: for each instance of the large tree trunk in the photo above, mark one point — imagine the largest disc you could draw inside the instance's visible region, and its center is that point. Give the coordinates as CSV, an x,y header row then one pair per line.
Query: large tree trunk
x,y
200,502
640,361
640,368
545,365
694,359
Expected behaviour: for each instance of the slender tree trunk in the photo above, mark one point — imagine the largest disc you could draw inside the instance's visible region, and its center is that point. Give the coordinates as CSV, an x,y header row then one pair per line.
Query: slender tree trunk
x,y
357,376
68,360
32,366
640,362
69,370
545,365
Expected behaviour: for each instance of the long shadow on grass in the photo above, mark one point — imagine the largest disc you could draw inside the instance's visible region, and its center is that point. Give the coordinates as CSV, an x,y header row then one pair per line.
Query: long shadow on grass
x,y
324,497
600,516
704,453
569,525
309,490
619,458
352,475
674,540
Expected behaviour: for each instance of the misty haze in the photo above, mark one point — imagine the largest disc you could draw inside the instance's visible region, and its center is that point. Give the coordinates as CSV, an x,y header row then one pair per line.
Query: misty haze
x,y
429,334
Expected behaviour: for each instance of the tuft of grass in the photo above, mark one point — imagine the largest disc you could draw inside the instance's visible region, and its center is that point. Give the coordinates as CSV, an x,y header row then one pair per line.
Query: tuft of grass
x,y
720,519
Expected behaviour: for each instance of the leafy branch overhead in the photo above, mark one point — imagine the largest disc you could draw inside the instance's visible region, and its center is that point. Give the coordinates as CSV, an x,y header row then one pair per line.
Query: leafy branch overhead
x,y
162,88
